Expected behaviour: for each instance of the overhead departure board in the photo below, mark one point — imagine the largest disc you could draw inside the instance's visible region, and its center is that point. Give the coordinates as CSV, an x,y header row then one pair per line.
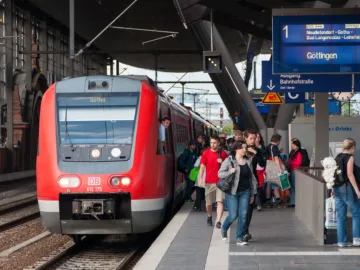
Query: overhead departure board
x,y
316,44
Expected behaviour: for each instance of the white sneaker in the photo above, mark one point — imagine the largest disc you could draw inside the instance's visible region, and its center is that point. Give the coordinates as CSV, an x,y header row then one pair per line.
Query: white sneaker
x,y
356,242
241,243
343,245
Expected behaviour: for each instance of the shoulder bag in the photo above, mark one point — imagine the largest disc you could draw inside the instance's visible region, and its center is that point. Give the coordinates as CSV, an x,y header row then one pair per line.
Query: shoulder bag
x,y
226,183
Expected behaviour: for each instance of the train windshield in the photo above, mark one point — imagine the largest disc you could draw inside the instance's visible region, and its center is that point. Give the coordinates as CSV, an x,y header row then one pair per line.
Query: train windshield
x,y
104,118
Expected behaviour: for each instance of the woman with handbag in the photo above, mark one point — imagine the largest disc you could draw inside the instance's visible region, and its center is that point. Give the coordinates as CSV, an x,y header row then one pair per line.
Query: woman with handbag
x,y
238,171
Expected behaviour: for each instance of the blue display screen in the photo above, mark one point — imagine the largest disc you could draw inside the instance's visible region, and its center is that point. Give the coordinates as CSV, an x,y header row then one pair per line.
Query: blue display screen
x,y
334,107
316,44
263,108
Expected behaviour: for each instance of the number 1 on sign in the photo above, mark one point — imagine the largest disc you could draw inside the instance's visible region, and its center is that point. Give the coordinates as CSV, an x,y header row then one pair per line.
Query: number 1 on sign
x,y
286,29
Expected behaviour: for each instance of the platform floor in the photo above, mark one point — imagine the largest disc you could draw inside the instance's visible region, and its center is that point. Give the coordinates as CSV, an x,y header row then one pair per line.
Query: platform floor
x,y
280,241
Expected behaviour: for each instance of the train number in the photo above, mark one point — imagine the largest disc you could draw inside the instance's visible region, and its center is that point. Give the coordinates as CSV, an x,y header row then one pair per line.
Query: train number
x,y
94,189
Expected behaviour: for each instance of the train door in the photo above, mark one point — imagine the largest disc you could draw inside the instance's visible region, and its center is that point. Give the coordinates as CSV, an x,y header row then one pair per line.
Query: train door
x,y
166,148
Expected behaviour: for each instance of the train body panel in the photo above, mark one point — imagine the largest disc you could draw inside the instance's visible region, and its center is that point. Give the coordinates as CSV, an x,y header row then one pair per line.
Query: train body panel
x,y
99,169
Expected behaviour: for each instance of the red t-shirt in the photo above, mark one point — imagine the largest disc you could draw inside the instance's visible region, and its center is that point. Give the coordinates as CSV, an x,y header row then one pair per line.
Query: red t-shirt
x,y
209,159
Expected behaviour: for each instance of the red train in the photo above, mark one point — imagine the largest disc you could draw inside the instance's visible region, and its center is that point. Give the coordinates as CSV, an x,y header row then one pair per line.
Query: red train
x,y
101,167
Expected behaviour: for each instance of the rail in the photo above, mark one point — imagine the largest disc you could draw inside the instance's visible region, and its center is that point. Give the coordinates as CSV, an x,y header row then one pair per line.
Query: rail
x,y
309,200
8,177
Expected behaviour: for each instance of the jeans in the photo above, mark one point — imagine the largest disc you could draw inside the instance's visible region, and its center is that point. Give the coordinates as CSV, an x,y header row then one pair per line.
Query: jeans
x,y
292,189
345,197
249,215
238,207
225,204
189,187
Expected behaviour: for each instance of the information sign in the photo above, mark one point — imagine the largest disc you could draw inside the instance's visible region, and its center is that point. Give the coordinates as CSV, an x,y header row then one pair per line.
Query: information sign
x,y
300,83
294,98
304,43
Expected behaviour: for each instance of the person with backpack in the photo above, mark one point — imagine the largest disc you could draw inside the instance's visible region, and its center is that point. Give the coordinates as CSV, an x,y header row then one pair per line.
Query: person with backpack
x,y
298,157
186,163
200,189
347,194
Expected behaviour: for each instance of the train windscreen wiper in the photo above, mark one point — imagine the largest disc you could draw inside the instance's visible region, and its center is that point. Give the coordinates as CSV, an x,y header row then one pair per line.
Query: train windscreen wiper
x,y
67,131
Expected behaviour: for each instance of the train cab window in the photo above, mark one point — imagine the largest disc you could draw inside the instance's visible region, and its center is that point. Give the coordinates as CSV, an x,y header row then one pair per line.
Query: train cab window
x,y
97,119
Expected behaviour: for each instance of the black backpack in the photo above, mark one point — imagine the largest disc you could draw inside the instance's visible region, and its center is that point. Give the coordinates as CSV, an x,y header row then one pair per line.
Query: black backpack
x,y
340,174
305,158
178,164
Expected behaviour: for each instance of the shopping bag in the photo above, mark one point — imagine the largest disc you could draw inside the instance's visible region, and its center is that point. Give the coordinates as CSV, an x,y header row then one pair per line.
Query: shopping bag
x,y
330,207
284,181
272,171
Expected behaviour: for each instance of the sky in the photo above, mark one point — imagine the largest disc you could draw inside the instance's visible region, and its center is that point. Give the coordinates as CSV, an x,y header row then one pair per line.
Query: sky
x,y
204,102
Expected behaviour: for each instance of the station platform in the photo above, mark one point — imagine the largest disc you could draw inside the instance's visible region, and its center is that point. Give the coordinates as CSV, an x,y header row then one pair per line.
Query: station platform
x,y
280,241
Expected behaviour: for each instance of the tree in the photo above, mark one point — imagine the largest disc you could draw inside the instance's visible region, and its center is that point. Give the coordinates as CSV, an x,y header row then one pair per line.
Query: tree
x,y
228,130
349,109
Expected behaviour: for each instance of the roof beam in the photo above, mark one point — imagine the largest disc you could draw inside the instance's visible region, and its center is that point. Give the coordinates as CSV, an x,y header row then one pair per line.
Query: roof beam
x,y
235,23
245,13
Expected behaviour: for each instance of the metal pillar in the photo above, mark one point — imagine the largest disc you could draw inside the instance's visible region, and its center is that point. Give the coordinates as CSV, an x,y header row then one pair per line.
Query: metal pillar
x,y
9,73
156,67
57,57
285,115
321,127
183,93
111,67
43,63
117,68
28,42
238,82
72,29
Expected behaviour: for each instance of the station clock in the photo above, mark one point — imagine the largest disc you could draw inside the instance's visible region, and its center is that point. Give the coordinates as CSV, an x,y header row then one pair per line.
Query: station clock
x,y
342,96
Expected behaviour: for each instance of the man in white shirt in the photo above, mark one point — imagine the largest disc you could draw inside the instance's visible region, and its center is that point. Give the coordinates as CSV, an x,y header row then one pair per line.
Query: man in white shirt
x,y
165,123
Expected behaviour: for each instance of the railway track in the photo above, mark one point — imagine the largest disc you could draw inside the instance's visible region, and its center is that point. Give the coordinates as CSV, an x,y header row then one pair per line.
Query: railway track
x,y
106,254
18,213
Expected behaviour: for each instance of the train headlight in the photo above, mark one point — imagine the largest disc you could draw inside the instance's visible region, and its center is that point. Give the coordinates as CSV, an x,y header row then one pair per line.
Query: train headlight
x,y
125,181
69,182
116,152
120,181
95,153
115,181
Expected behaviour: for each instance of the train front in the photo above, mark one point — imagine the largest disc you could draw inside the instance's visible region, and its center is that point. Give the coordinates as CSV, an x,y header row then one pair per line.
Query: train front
x,y
86,173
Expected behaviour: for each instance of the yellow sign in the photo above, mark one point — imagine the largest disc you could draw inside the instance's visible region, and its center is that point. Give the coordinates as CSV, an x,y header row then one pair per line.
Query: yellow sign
x,y
272,98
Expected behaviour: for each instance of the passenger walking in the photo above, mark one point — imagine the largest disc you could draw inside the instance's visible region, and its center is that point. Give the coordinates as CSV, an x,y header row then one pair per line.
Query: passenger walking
x,y
210,162
187,161
295,161
260,172
199,187
274,154
242,190
347,195
257,159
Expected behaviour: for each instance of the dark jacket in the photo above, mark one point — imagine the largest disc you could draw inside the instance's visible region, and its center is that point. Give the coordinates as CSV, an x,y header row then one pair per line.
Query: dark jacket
x,y
188,159
257,159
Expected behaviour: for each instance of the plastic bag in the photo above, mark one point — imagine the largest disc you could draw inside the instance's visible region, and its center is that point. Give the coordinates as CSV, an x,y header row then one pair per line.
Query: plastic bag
x,y
194,174
330,208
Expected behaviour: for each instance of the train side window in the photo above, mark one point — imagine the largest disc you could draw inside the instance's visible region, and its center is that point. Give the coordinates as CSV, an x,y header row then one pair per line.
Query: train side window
x,y
163,140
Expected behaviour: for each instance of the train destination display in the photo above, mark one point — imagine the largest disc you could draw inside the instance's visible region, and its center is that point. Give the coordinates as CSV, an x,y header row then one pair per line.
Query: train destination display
x,y
316,44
